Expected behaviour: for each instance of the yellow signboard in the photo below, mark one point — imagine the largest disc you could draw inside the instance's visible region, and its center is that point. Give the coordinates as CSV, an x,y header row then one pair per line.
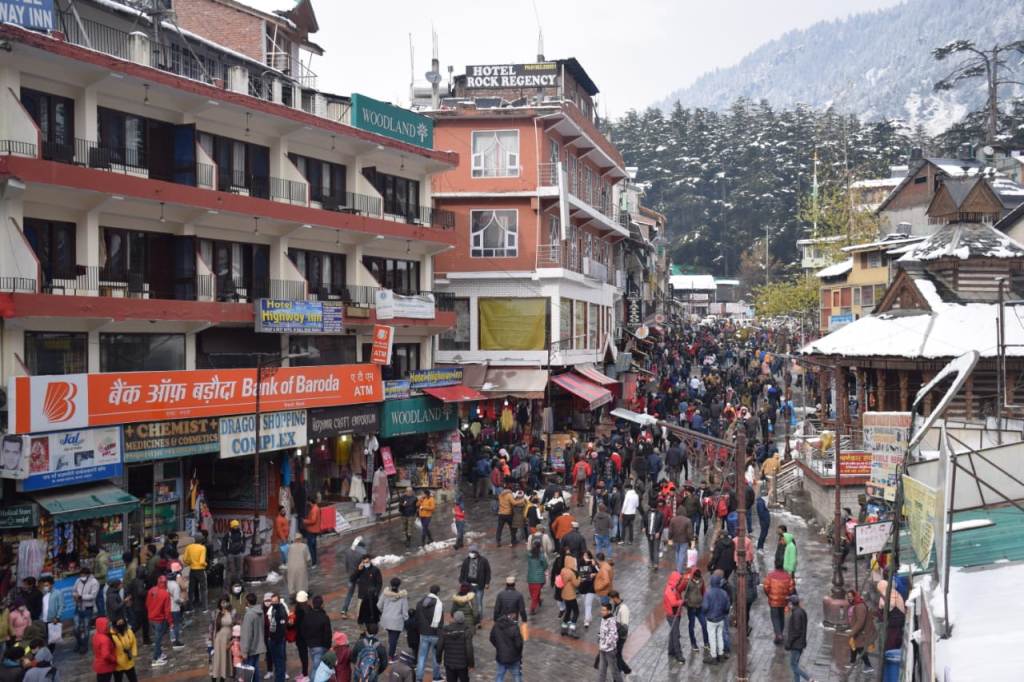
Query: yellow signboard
x,y
921,508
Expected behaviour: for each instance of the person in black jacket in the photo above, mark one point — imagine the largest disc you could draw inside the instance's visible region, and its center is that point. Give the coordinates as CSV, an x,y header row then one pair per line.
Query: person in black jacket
x,y
796,638
429,620
723,555
654,520
316,631
275,623
476,572
508,648
574,542
455,647
407,509
369,582
510,601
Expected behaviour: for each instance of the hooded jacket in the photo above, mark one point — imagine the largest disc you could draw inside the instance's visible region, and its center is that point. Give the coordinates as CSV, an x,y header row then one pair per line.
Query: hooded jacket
x,y
603,579
535,567
252,642
716,601
104,657
316,628
426,621
127,648
507,641
393,606
455,646
670,597
789,557
158,602
778,585
570,578
466,604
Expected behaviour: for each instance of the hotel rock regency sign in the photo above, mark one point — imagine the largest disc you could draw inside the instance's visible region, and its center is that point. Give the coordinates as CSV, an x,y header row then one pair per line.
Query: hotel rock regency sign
x,y
74,401
506,76
390,121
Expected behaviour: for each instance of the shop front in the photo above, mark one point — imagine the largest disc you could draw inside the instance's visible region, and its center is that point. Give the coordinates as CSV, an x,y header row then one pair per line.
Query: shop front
x,y
576,403
511,405
416,443
340,467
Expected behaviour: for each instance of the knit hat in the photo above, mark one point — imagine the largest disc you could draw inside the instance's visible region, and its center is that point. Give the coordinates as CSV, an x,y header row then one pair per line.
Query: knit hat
x,y
302,597
794,599
459,617
339,639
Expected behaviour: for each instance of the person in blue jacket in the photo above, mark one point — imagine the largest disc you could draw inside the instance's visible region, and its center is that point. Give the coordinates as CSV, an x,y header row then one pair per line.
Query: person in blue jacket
x,y
764,520
716,612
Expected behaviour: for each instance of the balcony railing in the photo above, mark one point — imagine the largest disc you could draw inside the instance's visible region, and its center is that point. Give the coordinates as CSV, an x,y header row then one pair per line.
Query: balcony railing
x,y
10,285
102,38
240,182
366,296
346,202
17,147
421,215
288,190
547,174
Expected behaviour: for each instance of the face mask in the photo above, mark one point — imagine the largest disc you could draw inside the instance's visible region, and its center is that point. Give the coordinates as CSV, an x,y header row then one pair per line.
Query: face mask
x,y
121,627
236,590
46,589
472,554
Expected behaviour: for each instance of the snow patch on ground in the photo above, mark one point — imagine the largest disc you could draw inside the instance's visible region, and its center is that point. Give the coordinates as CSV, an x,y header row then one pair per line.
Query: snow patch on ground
x,y
386,560
791,519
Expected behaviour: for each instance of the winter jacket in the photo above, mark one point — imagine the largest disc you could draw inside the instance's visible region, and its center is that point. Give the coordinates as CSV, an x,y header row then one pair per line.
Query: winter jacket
x,y
862,625
426,506
353,557
507,641
158,602
393,607
85,591
764,517
535,567
126,647
252,642
691,505
368,581
104,656
789,558
561,526
425,615
680,530
602,524
796,630
716,601
670,599
275,623
693,596
483,571
723,556
778,585
570,578
55,607
316,628
510,600
574,543
466,603
455,646
604,578
407,505
505,503
654,521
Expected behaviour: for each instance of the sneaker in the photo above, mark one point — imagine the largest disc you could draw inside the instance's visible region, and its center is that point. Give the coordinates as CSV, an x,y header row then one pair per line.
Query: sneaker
x,y
159,662
268,674
868,670
586,624
181,645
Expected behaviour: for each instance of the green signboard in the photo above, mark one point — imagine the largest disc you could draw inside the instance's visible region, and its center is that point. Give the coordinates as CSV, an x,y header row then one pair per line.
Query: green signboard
x,y
19,516
417,415
391,121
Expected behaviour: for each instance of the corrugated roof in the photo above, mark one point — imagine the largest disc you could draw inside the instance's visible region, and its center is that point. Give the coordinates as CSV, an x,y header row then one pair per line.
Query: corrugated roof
x,y
964,241
1003,541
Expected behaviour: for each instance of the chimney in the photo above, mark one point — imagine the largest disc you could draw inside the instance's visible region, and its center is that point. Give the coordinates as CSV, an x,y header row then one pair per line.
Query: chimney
x,y
965,152
916,154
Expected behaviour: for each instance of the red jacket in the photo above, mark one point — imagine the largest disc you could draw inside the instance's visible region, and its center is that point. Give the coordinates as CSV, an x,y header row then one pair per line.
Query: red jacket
x,y
581,464
617,461
670,598
104,655
778,585
158,602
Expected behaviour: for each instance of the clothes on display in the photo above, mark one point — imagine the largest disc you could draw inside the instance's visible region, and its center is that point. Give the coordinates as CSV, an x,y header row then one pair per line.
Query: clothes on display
x,y
357,491
31,555
380,491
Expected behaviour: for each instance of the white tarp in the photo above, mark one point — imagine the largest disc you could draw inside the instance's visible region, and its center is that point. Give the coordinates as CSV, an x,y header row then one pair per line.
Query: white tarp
x,y
635,417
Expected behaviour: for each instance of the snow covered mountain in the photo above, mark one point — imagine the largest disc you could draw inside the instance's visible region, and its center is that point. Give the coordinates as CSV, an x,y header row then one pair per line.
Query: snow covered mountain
x,y
877,64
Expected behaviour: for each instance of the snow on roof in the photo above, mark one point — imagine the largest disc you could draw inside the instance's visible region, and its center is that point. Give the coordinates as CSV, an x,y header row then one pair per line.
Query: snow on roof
x,y
891,240
836,269
963,241
874,183
692,282
987,642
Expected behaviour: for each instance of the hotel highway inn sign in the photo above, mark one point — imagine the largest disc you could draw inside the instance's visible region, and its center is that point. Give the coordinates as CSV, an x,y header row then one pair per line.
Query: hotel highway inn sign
x,y
37,14
502,76
299,317
385,119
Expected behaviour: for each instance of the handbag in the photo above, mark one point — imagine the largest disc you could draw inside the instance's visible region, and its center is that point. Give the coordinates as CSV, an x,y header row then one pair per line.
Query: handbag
x,y
559,583
524,630
54,633
291,632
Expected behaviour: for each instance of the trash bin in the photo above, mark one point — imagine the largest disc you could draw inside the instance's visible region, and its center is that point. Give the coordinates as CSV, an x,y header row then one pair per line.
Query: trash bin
x,y
893,659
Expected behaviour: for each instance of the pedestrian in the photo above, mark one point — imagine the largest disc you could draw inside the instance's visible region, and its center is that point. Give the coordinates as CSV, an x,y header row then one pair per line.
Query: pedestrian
x,y
175,591
429,619
723,554
764,520
233,547
607,644
425,508
796,638
779,587
536,567
407,510
518,527
680,532
403,669
587,569
561,525
140,621
104,653
573,541
393,605
567,581
504,503
158,612
251,641
672,605
510,600
311,528
53,605
459,518
33,597
455,648
100,568
343,654
693,600
630,506
302,608
621,612
603,530
862,630
221,669
716,611
370,658
276,629
476,572
282,531
653,523
369,584
195,558
464,602
238,604
354,554
324,672
297,567
508,648
316,631
84,593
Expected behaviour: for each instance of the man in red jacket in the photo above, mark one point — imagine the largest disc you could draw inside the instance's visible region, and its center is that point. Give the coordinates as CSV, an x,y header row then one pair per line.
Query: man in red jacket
x,y
580,474
778,585
104,656
158,610
672,602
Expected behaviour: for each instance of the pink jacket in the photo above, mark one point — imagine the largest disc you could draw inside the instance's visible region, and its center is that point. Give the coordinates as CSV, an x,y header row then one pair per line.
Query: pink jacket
x,y
19,619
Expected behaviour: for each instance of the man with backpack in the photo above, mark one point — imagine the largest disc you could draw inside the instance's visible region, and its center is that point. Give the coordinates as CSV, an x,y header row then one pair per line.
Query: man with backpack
x,y
370,656
455,648
233,547
580,474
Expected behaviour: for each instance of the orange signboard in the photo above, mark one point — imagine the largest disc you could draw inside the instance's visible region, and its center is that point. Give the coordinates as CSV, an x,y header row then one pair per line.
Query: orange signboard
x,y
50,403
380,351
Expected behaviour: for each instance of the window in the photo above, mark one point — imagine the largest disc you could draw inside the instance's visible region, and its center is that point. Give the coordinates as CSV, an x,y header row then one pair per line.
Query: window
x,y
845,297
136,352
54,245
920,180
835,298
457,338
401,276
122,252
494,233
867,296
592,314
874,259
240,270
401,195
333,350
124,136
55,117
326,179
565,323
554,230
241,166
579,330
496,154
405,358
48,353
553,151
325,272
856,295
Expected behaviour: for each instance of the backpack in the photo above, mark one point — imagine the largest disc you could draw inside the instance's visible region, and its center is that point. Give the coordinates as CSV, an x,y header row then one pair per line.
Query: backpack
x,y
723,506
365,669
581,473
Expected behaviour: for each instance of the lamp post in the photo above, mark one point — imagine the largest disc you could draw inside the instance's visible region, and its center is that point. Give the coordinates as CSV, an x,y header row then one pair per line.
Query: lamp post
x,y
740,455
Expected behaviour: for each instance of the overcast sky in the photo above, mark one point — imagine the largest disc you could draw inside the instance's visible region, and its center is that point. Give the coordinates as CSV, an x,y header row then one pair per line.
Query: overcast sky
x,y
636,51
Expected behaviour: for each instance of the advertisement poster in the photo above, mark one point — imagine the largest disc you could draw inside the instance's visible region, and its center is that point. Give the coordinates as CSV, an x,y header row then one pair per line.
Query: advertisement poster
x,y
148,441
14,457
275,316
71,457
278,431
456,447
50,403
921,509
389,461
854,463
397,389
389,305
885,437
380,350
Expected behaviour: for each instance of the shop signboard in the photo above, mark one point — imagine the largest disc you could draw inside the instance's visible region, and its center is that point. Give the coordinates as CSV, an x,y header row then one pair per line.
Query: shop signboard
x,y
278,431
854,463
921,507
389,305
511,76
380,350
417,415
389,461
871,537
841,320
50,403
331,421
34,14
19,516
397,389
633,312
885,437
148,441
277,316
435,378
72,457
390,121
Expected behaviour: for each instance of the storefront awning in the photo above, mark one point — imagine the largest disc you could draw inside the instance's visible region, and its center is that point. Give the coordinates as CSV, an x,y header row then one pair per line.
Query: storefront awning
x,y
635,417
591,373
594,395
524,383
92,502
460,393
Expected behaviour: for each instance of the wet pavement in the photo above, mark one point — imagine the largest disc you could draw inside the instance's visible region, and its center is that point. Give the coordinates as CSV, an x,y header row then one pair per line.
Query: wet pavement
x,y
547,655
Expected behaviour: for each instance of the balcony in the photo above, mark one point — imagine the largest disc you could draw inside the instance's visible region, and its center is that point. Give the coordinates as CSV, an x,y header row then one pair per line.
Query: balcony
x,y
420,215
345,202
597,196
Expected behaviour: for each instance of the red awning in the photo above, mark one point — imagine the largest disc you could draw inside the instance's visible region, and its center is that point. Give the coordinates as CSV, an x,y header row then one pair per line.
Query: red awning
x,y
592,394
459,393
594,375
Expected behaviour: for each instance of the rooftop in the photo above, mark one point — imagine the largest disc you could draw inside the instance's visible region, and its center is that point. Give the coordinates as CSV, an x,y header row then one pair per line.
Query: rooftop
x,y
963,241
835,270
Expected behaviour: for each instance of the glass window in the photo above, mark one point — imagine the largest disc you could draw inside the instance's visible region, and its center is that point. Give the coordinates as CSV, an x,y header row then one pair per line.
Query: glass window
x,y
137,352
494,233
405,358
401,195
457,338
325,272
496,154
565,323
553,150
334,350
48,353
55,117
54,245
401,276
325,179
579,330
122,252
874,259
592,325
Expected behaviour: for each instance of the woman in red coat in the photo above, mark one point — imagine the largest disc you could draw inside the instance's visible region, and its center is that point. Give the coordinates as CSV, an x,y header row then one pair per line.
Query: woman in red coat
x,y
104,654
342,650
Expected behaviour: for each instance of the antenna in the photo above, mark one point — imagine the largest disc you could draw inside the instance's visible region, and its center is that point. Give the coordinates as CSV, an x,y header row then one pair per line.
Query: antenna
x,y
540,33
434,75
412,70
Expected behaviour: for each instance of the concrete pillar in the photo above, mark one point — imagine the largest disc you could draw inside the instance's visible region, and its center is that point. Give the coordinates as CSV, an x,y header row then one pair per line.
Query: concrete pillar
x,y
93,351
86,124
87,238
238,79
276,90
278,252
880,387
190,350
904,390
139,50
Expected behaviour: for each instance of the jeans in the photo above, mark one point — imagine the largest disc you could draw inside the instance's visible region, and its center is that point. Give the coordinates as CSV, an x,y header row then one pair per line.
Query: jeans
x,y
653,546
794,665
504,520
603,544
100,599
83,618
616,530
348,597
627,528
175,626
197,591
254,662
478,591
393,636
675,649
460,533
762,535
588,606
606,660
276,651
515,670
715,637
697,614
572,611
315,654
778,614
425,535
696,521
428,645
311,543
159,630
681,557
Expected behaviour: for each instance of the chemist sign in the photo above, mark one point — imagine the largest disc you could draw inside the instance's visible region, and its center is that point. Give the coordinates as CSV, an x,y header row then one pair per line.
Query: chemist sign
x,y
278,431
37,14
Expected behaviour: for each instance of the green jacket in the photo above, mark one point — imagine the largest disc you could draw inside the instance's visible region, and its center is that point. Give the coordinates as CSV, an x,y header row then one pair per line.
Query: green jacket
x,y
535,568
466,604
789,558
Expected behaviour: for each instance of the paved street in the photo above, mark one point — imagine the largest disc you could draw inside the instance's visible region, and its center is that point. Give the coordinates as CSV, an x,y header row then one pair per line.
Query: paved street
x,y
547,653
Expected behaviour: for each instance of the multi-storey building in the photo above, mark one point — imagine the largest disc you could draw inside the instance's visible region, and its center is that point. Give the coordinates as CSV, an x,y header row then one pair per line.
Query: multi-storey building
x,y
166,169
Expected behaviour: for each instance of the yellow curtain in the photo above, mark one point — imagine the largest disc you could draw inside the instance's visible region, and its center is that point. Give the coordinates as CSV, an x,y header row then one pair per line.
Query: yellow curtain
x,y
512,323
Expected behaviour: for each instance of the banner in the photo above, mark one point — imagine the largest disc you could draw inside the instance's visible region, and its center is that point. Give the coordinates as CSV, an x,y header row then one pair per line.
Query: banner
x,y
50,403
389,305
299,317
921,509
512,76
72,457
396,389
391,121
332,421
513,323
147,441
435,378
389,461
417,415
885,437
380,350
278,431
34,14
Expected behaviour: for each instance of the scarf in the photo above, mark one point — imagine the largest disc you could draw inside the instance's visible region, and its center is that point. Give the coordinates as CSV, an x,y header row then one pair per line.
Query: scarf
x,y
435,621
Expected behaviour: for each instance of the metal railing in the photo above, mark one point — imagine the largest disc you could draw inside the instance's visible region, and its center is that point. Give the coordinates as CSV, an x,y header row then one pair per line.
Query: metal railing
x,y
366,296
240,182
102,38
549,254
292,191
347,202
261,87
17,147
205,175
95,155
547,174
243,289
421,215
18,285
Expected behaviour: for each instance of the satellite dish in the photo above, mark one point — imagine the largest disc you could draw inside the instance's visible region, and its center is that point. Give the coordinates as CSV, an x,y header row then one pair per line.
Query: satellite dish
x,y
433,77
